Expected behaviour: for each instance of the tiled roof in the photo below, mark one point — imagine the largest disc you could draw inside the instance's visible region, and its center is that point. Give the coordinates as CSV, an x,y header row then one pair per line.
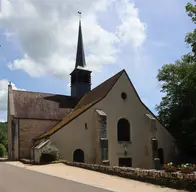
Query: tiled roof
x,y
34,105
86,102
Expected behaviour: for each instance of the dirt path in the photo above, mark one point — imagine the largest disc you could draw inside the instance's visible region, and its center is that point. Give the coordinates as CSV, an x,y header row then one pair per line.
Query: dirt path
x,y
95,179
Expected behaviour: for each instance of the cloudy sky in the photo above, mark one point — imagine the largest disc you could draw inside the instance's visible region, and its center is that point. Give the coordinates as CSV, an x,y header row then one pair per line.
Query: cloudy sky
x,y
38,42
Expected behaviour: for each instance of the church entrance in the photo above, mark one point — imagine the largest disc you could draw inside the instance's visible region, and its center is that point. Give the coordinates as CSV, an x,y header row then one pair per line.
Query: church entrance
x,y
161,155
78,156
125,162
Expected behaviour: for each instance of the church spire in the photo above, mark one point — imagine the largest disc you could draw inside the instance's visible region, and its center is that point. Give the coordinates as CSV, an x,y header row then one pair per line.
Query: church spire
x,y
80,77
80,56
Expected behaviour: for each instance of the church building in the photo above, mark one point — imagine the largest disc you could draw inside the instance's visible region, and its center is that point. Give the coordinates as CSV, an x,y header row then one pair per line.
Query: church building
x,y
105,125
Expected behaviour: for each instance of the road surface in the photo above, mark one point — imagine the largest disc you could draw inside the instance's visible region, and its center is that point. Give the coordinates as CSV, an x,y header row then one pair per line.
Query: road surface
x,y
17,179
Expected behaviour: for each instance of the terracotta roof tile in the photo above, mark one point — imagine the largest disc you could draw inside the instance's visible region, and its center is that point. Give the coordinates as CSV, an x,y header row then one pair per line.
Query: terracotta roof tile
x,y
34,105
85,103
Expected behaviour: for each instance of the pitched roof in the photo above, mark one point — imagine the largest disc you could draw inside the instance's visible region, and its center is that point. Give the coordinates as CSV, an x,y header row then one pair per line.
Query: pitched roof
x,y
34,105
89,99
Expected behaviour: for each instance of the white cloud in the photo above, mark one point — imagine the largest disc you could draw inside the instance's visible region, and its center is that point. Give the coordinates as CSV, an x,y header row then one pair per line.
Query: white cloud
x,y
3,97
3,94
47,33
131,29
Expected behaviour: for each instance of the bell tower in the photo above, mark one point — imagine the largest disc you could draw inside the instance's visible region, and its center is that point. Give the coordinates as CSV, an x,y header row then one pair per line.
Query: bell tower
x,y
80,77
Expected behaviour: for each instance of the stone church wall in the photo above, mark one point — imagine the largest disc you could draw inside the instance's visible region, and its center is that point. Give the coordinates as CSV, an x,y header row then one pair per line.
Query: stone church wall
x,y
29,129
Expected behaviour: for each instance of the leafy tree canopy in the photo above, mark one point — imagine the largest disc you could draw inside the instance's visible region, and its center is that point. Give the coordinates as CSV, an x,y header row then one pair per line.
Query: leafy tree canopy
x,y
191,37
177,110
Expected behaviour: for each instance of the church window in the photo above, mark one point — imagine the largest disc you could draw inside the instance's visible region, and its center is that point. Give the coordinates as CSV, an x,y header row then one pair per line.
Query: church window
x,y
123,130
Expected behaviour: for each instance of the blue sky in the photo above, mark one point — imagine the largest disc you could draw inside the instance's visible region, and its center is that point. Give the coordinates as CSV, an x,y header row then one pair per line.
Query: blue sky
x,y
139,36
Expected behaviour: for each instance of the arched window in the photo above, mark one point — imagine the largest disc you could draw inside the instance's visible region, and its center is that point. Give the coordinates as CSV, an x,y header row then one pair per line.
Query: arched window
x,y
123,130
78,156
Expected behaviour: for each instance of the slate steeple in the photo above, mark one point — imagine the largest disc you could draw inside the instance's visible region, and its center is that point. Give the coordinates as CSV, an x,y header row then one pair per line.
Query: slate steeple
x,y
80,56
80,77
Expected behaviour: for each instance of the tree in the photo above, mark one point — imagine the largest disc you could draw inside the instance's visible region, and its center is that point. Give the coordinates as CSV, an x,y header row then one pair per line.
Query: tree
x,y
177,110
3,134
2,150
191,37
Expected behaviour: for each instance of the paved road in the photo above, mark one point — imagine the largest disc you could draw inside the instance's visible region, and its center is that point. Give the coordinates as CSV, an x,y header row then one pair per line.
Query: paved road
x,y
16,179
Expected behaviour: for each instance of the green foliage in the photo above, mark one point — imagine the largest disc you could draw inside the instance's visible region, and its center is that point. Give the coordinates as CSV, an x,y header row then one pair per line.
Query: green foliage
x,y
191,10
2,150
191,37
49,153
4,134
177,110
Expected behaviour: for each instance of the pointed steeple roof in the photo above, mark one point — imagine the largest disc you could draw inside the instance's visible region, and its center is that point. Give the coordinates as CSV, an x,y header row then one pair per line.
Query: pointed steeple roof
x,y
80,56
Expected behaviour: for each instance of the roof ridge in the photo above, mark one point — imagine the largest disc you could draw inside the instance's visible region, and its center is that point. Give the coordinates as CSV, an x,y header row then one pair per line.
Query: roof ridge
x,y
106,80
41,92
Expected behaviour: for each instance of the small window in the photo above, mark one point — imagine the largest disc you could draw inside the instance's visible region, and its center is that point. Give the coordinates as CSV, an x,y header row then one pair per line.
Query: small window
x,y
123,95
86,126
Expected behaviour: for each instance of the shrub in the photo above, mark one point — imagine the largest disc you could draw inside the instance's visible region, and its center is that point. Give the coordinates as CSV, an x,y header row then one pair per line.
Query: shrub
x,y
187,166
2,150
169,166
49,153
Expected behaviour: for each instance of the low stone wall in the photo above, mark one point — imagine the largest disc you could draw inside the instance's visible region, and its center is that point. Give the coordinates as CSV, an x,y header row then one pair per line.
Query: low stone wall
x,y
26,161
3,159
174,180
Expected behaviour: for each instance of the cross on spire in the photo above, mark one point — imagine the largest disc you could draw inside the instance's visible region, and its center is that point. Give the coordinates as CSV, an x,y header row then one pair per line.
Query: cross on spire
x,y
80,15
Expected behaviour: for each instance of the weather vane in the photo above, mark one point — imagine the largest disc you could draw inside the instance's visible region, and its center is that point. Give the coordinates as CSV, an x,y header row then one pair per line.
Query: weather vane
x,y
80,14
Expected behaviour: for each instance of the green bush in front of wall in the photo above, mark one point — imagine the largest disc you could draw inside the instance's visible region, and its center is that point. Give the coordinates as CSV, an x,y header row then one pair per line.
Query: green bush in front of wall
x,y
2,150
49,153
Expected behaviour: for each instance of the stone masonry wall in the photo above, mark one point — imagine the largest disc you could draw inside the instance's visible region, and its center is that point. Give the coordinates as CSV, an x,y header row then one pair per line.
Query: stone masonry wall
x,y
174,180
28,130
